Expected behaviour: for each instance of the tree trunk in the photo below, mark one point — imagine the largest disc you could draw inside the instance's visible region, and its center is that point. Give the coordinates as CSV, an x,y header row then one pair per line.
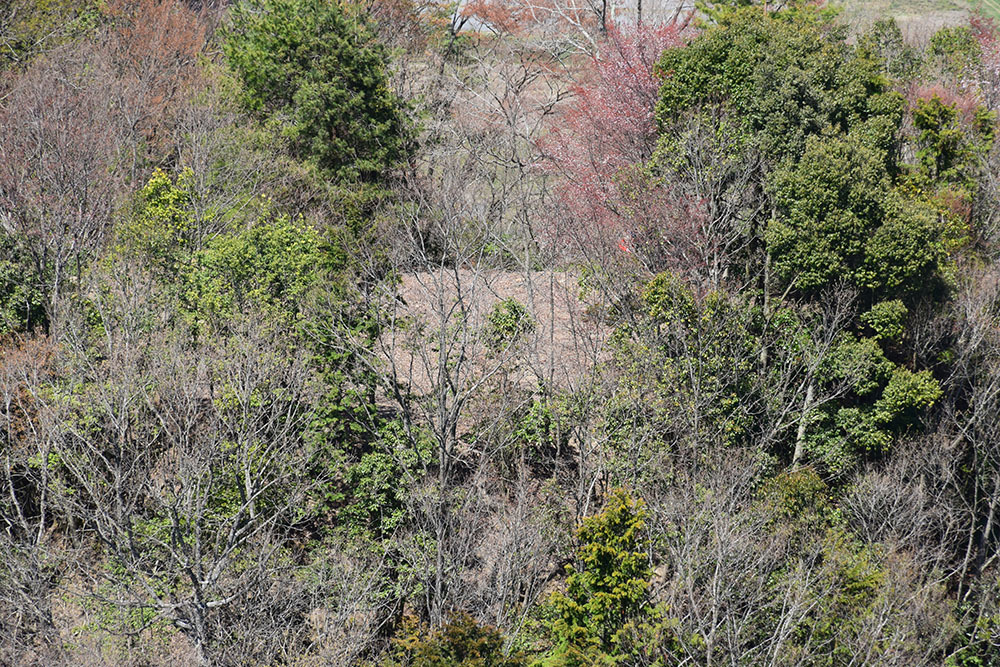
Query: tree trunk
x,y
800,436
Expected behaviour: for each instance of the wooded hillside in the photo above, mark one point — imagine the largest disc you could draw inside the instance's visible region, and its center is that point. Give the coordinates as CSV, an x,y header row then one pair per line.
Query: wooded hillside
x,y
411,334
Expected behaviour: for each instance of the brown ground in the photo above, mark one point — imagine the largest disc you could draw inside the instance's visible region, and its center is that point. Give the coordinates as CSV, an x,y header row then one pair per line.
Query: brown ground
x,y
565,344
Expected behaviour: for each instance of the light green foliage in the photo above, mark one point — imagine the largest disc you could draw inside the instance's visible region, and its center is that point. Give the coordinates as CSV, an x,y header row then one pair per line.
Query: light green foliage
x,y
160,230
363,463
692,360
822,112
940,137
831,203
906,395
507,323
377,491
294,278
287,272
799,496
850,590
845,594
911,251
718,10
861,361
840,219
687,379
274,265
544,427
368,495
845,431
607,591
978,644
462,642
841,213
885,401
885,40
30,27
848,581
947,146
667,299
314,70
863,436
268,264
128,620
681,370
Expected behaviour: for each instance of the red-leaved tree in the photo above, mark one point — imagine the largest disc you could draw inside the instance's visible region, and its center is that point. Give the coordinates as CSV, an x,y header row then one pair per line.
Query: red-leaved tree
x,y
985,77
601,146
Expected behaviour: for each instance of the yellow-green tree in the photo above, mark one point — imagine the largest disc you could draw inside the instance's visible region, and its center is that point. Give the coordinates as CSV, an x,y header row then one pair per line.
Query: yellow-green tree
x,y
607,591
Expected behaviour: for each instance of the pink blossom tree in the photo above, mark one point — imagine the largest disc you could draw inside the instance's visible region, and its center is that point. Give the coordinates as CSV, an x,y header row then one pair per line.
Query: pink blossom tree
x,y
985,77
601,146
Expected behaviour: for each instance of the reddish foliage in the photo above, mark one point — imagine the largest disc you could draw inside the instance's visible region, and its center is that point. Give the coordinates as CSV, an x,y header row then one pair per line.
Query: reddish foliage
x,y
965,100
986,77
956,202
600,145
497,15
24,366
80,123
152,47
611,124
398,23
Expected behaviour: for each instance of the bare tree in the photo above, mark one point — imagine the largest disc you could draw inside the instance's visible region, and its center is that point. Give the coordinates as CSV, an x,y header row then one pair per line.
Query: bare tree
x,y
76,127
182,460
31,566
969,432
464,230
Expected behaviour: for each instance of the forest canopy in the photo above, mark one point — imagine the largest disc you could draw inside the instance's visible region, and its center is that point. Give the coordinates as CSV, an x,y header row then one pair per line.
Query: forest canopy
x,y
498,334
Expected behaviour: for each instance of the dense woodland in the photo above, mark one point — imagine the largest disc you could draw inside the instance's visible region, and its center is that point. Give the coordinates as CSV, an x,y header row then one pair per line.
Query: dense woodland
x,y
399,333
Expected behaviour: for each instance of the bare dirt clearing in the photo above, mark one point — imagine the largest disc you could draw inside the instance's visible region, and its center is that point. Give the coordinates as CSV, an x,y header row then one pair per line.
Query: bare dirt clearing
x,y
442,315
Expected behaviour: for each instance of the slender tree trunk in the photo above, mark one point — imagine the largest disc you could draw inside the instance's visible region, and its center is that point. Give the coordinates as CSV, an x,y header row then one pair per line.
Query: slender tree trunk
x,y
984,536
800,436
767,308
963,586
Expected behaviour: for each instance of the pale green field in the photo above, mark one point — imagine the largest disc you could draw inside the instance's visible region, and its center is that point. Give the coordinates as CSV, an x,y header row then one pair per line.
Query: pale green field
x,y
917,18
990,8
914,9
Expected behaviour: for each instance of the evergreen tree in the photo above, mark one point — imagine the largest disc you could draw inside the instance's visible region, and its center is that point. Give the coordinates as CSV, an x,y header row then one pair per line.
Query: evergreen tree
x,y
319,74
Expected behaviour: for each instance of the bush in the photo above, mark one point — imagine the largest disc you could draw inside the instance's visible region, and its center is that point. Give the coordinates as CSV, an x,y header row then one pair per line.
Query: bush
x,y
507,323
462,642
